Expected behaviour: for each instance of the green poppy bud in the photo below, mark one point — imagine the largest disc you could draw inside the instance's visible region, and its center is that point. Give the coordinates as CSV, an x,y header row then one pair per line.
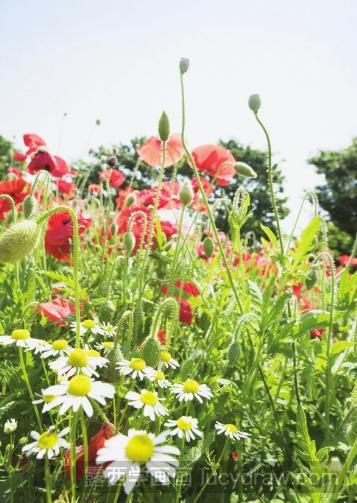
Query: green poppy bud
x,y
164,127
208,247
311,279
30,206
186,193
110,372
129,200
233,352
184,65
151,351
129,242
254,102
18,241
245,170
113,229
107,311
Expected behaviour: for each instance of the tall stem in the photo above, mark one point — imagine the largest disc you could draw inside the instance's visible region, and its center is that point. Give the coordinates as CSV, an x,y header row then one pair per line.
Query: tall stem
x,y
204,197
28,385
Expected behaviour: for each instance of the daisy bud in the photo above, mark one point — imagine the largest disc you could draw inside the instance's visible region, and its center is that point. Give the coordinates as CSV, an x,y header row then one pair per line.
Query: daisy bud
x,y
243,169
10,426
18,241
150,351
129,242
186,193
233,352
30,206
311,279
107,311
208,247
164,127
129,200
254,102
335,465
184,65
23,440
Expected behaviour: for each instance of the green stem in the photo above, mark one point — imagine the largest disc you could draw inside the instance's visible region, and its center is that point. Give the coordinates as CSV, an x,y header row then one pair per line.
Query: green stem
x,y
48,480
73,435
85,444
28,385
204,197
176,256
75,257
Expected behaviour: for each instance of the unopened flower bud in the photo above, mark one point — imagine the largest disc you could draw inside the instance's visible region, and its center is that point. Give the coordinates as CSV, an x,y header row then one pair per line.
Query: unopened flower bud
x,y
30,206
23,441
243,169
18,241
107,311
151,351
254,102
164,127
98,122
186,193
113,229
129,242
335,465
184,65
311,279
233,352
208,247
129,200
10,426
112,161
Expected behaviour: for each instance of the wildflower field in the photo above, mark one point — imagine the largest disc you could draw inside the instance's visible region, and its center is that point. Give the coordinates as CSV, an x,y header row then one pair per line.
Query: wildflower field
x,y
148,355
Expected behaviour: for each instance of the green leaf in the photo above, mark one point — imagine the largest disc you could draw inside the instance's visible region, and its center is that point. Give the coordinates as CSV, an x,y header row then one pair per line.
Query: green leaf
x,y
271,236
306,241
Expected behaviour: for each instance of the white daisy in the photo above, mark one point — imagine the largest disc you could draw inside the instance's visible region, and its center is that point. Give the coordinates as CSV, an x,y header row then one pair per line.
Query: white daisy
x,y
76,393
136,367
167,360
184,427
105,346
46,399
191,389
149,400
230,430
59,347
83,360
48,443
127,454
91,326
108,329
38,347
21,337
159,377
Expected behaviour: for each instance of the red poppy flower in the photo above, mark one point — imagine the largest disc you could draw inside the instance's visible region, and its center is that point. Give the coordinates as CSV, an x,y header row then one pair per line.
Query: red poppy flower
x,y
66,186
151,152
139,227
59,234
162,336
95,443
114,177
212,159
94,188
122,196
344,259
207,186
317,333
57,310
17,189
48,162
32,142
19,156
187,287
168,228
186,313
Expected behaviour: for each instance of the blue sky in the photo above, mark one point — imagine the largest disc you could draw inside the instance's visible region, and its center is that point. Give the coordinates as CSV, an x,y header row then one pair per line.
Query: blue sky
x,y
117,61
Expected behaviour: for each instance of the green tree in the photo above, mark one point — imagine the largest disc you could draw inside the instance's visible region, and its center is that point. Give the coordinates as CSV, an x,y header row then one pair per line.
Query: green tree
x,y
338,196
5,155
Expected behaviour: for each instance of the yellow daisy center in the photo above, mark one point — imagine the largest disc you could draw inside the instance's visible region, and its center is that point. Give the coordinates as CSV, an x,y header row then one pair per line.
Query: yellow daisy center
x,y
137,364
93,353
184,423
231,428
78,358
149,398
48,398
165,356
88,324
79,386
47,440
20,334
139,449
59,344
191,386
159,375
108,344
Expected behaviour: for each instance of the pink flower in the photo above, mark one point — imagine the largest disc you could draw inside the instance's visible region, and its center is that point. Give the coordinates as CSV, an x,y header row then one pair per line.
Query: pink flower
x,y
151,152
216,161
344,259
57,310
32,142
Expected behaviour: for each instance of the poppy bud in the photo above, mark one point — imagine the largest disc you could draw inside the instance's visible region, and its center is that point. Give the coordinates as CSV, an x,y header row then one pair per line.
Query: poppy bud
x,y
243,169
311,279
112,161
18,241
129,200
164,127
98,122
254,102
107,311
30,206
113,229
186,193
208,247
129,242
184,65
150,351
114,356
233,352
